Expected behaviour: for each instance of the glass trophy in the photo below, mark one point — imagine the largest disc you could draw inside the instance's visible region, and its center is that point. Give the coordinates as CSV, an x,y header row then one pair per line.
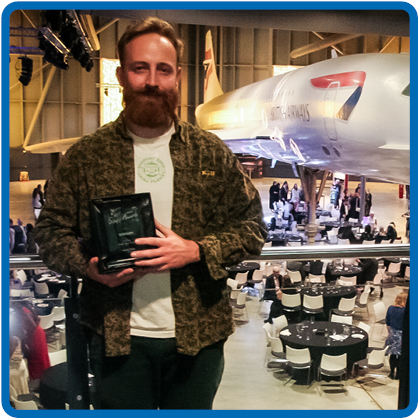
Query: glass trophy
x,y
116,223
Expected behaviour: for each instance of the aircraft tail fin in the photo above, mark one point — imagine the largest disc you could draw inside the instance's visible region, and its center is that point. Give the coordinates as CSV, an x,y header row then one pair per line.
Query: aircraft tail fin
x,y
212,86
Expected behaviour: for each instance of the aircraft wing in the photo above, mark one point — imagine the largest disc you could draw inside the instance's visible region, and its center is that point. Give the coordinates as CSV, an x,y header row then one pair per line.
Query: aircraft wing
x,y
55,146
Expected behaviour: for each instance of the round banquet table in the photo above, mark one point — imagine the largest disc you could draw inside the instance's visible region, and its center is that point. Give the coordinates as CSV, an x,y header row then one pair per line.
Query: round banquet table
x,y
331,295
355,345
242,267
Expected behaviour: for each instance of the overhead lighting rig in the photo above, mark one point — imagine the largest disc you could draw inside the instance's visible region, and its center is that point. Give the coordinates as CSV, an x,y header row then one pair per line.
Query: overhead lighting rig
x,y
65,33
55,51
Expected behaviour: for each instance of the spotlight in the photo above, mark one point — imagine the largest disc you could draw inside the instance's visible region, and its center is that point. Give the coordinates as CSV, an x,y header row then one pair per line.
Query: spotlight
x,y
55,50
26,72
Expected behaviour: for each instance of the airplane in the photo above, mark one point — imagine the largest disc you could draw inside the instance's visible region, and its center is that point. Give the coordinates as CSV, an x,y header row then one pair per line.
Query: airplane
x,y
349,114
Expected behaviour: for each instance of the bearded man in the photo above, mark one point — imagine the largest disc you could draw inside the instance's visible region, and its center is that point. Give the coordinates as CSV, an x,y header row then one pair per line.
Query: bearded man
x,y
156,331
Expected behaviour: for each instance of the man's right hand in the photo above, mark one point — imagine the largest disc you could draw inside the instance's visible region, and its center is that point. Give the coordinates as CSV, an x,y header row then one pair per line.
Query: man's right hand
x,y
114,279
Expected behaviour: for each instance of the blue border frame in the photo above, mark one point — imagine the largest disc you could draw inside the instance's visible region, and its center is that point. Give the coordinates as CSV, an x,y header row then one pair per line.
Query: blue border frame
x,y
251,5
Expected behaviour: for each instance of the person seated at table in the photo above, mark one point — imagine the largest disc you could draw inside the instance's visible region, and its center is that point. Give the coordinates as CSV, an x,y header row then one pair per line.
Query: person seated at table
x,y
273,283
34,343
369,270
347,233
370,220
19,375
367,234
276,306
394,322
391,232
382,235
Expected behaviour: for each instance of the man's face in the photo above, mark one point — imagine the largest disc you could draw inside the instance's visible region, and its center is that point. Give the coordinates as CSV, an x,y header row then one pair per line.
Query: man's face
x,y
150,78
275,273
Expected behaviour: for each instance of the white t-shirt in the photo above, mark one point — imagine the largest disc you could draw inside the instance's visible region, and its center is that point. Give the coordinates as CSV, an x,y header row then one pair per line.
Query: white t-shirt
x,y
152,312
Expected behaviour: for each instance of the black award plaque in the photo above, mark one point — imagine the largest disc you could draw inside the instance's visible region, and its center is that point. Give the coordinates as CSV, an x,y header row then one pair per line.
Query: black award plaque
x,y
116,223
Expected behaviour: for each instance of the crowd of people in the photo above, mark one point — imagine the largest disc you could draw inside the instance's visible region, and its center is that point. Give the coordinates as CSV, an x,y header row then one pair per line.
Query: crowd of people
x,y
285,203
349,204
21,238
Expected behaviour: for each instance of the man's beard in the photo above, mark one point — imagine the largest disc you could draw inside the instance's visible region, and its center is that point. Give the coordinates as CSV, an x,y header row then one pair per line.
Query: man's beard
x,y
150,106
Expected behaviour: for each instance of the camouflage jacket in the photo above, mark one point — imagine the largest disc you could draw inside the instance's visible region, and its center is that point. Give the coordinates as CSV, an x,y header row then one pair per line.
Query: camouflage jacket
x,y
214,204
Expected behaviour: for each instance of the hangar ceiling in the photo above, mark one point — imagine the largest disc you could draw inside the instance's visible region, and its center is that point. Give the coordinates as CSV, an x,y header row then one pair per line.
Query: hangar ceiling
x,y
379,22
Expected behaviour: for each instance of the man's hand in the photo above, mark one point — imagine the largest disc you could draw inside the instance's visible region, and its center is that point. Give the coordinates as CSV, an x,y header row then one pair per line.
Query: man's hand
x,y
171,252
116,278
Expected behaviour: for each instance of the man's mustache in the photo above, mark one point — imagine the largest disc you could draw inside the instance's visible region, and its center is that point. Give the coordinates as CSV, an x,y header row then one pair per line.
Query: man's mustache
x,y
148,90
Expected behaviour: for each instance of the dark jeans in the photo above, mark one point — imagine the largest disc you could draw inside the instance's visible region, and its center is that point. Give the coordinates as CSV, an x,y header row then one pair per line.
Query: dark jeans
x,y
156,376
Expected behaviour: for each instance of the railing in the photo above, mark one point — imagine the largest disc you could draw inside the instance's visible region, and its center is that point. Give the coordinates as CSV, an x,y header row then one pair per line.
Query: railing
x,y
277,253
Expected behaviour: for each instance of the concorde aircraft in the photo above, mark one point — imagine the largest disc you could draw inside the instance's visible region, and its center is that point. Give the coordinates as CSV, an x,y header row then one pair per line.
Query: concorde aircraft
x,y
348,114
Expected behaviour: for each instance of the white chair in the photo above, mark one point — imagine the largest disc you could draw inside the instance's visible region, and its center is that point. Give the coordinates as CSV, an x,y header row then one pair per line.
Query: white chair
x,y
332,237
58,313
393,270
380,313
368,242
20,405
362,302
234,294
239,307
22,293
385,242
274,357
291,305
279,323
333,366
295,276
365,327
398,241
298,359
372,365
57,357
353,220
350,261
313,305
62,293
348,280
232,283
346,307
41,289
241,278
46,322
318,279
343,241
334,318
21,275
257,276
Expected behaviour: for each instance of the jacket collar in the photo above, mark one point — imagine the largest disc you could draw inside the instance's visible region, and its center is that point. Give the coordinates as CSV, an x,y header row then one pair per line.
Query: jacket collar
x,y
121,128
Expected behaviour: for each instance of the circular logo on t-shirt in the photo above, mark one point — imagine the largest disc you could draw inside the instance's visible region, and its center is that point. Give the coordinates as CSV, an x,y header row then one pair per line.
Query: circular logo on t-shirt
x,y
151,170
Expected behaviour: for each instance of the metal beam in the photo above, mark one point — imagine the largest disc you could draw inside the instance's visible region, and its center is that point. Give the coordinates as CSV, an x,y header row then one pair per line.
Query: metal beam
x,y
39,106
319,45
333,46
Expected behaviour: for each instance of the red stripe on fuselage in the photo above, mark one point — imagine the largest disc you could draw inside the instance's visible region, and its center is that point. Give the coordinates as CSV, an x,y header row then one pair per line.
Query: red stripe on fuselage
x,y
353,78
208,55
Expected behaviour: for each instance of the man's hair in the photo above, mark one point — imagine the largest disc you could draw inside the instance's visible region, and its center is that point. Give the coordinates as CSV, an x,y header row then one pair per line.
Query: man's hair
x,y
150,25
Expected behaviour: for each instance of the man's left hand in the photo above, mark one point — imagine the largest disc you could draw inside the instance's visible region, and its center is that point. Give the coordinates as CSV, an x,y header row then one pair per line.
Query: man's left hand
x,y
171,251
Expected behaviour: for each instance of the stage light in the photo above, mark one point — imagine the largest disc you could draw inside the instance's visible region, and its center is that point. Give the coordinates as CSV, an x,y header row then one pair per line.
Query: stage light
x,y
55,51
26,71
